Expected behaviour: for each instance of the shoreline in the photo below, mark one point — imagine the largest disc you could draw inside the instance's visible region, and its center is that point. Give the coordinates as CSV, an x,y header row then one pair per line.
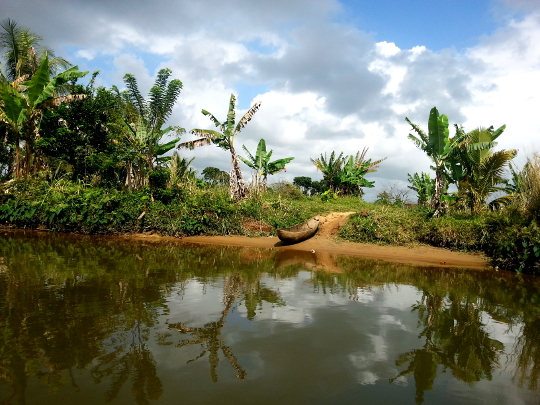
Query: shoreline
x,y
421,255
323,244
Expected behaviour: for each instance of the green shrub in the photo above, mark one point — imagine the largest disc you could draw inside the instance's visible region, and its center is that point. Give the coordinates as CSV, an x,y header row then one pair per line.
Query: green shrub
x,y
514,245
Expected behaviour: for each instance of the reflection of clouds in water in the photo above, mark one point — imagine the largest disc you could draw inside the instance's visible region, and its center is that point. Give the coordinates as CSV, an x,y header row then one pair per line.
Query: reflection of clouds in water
x,y
386,319
380,348
297,293
364,361
196,303
501,331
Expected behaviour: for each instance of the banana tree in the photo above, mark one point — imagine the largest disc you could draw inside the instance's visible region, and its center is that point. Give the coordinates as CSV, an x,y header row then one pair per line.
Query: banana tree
x,y
329,168
144,149
346,173
439,148
22,111
424,186
262,165
224,138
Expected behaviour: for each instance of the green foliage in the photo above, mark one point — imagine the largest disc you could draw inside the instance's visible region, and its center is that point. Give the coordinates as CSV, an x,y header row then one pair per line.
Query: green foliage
x,y
22,109
346,173
224,138
424,186
262,165
514,243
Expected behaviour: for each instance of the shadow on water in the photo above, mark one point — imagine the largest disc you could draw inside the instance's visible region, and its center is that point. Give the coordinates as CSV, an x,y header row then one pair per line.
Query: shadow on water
x,y
85,303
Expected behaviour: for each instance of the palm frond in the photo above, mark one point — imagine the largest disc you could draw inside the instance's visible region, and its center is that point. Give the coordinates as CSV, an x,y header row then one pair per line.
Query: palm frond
x,y
423,136
135,95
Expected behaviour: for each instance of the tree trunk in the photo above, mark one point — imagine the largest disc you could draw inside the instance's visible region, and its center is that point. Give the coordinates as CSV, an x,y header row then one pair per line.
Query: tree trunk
x,y
436,200
237,188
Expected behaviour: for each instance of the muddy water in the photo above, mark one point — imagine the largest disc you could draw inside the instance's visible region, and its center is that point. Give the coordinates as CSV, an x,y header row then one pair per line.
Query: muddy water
x,y
88,320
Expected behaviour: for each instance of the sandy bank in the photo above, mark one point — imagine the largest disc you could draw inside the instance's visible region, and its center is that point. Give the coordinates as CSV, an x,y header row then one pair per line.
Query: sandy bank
x,y
325,242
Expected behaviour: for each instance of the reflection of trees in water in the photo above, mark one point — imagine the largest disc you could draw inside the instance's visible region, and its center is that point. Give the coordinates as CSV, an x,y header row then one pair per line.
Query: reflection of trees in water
x,y
455,338
65,310
71,306
209,336
130,360
527,349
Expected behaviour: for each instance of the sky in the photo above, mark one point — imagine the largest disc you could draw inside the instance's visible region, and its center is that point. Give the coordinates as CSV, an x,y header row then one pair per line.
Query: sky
x,y
331,75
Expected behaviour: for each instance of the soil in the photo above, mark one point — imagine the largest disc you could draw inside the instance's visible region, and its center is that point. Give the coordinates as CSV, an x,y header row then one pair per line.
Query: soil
x,y
325,244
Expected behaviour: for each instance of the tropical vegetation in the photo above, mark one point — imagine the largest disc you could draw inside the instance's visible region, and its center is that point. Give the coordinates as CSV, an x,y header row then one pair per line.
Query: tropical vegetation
x,y
91,159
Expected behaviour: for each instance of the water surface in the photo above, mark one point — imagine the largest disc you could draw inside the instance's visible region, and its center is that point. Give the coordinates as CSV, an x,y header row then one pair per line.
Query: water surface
x,y
88,320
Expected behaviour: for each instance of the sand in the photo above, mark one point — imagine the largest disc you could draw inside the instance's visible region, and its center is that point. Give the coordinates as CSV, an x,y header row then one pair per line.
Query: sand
x,y
326,242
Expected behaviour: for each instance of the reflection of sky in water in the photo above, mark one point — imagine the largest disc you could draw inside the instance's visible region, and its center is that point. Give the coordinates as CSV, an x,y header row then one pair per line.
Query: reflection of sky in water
x,y
311,338
333,340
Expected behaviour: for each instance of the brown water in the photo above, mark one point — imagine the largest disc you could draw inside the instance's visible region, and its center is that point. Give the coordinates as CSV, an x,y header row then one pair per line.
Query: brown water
x,y
87,320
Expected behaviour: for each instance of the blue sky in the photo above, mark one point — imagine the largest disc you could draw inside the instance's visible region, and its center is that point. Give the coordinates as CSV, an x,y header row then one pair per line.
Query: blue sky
x,y
331,75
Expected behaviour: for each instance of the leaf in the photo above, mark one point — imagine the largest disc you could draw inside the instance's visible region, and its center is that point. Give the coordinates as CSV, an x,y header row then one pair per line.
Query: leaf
x,y
247,116
438,132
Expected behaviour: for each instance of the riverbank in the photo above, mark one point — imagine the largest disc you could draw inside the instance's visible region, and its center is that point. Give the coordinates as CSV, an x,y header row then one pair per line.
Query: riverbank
x,y
326,243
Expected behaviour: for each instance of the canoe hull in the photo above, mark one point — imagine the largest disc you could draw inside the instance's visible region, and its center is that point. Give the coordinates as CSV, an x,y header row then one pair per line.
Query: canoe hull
x,y
299,233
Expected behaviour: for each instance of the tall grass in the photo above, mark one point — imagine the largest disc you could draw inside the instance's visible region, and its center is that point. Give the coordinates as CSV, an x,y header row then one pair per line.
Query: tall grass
x,y
530,190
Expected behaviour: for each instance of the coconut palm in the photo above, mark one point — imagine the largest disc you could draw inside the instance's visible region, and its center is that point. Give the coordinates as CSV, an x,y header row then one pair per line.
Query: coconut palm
x,y
224,138
22,107
23,53
262,165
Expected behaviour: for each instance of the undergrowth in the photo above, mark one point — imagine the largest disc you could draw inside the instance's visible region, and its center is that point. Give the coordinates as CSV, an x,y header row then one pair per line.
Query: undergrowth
x,y
511,240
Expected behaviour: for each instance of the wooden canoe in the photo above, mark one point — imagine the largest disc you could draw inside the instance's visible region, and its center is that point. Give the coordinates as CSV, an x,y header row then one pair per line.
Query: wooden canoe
x,y
300,232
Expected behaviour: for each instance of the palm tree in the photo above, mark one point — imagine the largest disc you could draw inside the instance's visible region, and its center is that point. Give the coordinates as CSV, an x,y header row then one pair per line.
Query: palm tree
x,y
224,138
143,124
262,165
22,107
346,173
180,170
482,168
329,168
23,53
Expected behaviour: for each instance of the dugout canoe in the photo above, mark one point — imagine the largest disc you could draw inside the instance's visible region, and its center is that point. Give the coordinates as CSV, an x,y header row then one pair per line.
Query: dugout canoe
x,y
300,232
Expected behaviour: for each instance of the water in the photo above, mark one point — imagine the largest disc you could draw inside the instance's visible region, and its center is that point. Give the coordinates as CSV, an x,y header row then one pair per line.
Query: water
x,y
88,320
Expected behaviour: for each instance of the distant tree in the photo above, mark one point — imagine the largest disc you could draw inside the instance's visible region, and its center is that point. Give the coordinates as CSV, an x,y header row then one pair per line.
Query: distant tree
x,y
262,165
304,183
215,176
